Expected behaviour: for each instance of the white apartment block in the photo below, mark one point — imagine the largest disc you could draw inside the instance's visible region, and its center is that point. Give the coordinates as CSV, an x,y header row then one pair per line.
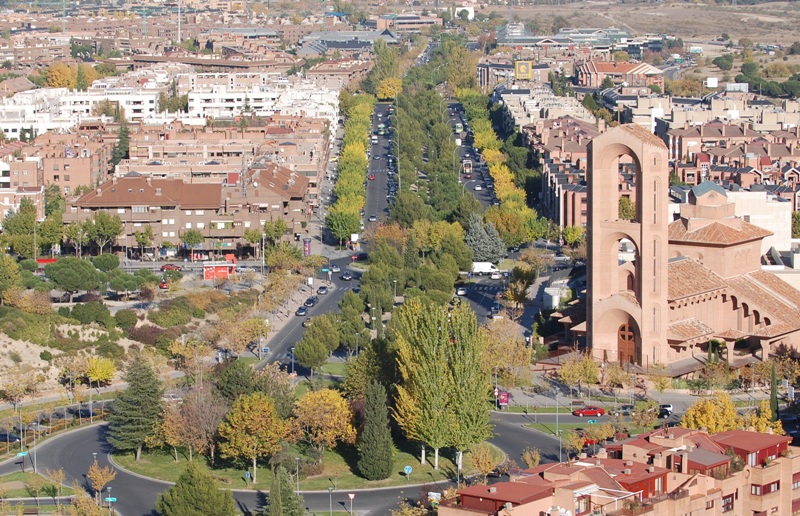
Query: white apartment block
x,y
525,106
231,95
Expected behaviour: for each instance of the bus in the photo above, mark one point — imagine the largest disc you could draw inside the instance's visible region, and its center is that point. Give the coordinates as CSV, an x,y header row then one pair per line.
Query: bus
x,y
467,166
381,129
459,128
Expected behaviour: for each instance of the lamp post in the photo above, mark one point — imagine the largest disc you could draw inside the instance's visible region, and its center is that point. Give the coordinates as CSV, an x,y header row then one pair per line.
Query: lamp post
x,y
291,350
330,500
94,455
110,502
297,461
558,433
464,186
395,288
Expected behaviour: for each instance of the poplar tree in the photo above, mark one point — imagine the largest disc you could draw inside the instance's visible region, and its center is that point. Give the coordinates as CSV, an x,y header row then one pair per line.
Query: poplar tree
x,y
773,394
283,501
375,442
137,408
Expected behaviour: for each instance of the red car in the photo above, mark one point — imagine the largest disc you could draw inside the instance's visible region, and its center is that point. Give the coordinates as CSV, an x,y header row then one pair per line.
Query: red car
x,y
359,257
163,285
589,411
170,267
371,177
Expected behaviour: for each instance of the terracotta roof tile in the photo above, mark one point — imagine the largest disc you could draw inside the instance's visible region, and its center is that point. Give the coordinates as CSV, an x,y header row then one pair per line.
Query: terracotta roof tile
x,y
135,190
643,134
748,441
686,278
688,329
715,233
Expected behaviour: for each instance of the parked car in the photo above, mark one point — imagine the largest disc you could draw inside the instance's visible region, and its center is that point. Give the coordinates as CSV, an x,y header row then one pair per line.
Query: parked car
x,y
322,290
373,218
163,285
664,413
84,412
7,437
359,257
495,275
625,410
347,276
307,323
667,406
301,311
461,291
371,177
589,410
171,398
170,267
311,301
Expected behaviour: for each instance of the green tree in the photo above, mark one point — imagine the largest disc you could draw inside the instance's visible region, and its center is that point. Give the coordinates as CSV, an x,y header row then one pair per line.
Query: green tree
x,y
375,442
252,430
106,262
607,83
103,229
53,200
81,81
196,494
274,230
486,245
71,275
343,222
773,394
573,235
750,69
192,238
144,238
121,148
282,500
627,208
10,275
236,379
137,408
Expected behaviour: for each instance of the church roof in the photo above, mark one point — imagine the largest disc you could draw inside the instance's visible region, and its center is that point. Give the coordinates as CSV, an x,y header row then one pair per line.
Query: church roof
x,y
688,329
715,233
688,278
707,186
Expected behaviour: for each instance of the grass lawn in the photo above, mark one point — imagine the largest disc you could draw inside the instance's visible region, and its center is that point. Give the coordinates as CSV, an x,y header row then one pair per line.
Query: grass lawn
x,y
334,368
339,470
550,428
14,486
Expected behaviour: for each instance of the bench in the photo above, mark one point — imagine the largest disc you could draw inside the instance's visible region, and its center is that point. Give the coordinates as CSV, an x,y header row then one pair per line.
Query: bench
x,y
32,510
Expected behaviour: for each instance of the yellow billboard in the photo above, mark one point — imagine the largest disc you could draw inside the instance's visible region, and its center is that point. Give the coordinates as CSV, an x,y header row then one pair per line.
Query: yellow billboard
x,y
523,71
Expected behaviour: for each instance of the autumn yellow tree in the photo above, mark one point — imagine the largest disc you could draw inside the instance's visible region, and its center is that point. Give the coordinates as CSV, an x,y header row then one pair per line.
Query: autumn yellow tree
x,y
760,419
100,477
716,414
253,430
506,352
100,370
59,75
389,88
324,418
483,459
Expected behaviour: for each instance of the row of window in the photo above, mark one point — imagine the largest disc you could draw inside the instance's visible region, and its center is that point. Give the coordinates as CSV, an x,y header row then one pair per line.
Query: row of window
x,y
765,489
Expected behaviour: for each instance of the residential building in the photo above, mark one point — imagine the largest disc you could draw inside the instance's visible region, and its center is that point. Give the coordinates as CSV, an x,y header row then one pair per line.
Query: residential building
x,y
592,73
404,22
525,103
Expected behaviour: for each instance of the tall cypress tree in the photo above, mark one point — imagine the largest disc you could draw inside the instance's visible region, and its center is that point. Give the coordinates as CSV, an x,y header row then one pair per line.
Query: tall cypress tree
x,y
773,394
375,443
283,501
274,505
196,494
136,408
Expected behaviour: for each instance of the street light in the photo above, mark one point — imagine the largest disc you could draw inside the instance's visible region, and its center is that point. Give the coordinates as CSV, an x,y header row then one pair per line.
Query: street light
x,y
464,186
330,500
297,460
94,454
110,502
291,350
395,288
557,431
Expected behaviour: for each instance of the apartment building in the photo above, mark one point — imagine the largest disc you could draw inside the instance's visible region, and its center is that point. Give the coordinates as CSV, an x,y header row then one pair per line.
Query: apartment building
x,y
403,22
527,102
591,74
70,160
11,197
220,212
666,472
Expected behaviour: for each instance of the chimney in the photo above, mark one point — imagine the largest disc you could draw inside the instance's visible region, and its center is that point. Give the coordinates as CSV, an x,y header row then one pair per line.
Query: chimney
x,y
99,192
684,463
629,463
626,472
158,191
149,180
651,469
492,489
113,179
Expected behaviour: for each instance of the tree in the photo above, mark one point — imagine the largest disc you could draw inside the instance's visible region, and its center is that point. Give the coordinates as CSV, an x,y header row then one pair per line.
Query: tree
x,y
506,352
324,418
580,367
375,442
311,353
196,494
746,43
10,275
274,230
252,430
659,378
144,238
572,441
486,245
715,414
191,238
607,83
122,147
137,408
106,262
627,208
100,370
389,88
573,235
531,457
100,477
57,476
203,412
283,501
773,394
103,229
761,420
750,69
72,274
645,414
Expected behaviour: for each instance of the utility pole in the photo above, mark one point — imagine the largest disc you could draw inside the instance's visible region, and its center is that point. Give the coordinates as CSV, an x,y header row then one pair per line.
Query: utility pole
x,y
180,34
63,16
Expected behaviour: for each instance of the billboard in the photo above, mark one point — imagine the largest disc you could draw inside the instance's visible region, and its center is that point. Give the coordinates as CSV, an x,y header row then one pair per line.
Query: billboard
x,y
523,70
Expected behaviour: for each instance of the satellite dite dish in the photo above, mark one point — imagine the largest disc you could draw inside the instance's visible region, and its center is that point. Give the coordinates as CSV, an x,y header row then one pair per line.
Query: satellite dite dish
x,y
255,184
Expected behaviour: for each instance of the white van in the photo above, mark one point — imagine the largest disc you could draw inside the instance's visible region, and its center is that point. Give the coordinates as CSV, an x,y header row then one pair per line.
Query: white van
x,y
481,268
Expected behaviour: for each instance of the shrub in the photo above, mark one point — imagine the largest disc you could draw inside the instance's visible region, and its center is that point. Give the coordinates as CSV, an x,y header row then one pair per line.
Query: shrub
x,y
169,318
105,348
93,311
205,298
29,265
199,314
46,356
166,338
126,319
63,311
146,334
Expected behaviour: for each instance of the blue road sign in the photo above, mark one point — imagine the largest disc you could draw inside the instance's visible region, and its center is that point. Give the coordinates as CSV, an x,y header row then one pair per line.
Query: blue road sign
x,y
265,350
247,475
407,469
22,454
110,499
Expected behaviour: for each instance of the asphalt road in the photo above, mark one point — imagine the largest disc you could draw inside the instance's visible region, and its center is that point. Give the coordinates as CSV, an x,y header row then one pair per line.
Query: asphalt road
x,y
377,189
465,151
137,496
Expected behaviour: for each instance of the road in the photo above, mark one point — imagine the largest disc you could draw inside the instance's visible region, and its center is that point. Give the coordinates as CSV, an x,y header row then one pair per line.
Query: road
x,y
480,174
377,203
136,496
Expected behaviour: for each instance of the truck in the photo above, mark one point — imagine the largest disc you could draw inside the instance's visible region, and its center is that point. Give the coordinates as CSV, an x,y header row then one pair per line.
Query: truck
x,y
481,268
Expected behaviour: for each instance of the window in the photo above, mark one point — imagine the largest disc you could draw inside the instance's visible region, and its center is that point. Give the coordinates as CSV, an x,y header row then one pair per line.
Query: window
x,y
659,487
55,166
709,504
188,212
727,503
755,490
201,225
66,176
752,459
796,484
199,212
139,209
771,488
56,178
66,167
582,505
188,225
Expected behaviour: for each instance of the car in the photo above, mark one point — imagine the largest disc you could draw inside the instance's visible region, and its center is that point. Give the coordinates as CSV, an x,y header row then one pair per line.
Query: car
x,y
467,176
163,285
372,218
461,291
311,302
359,257
363,213
307,322
625,410
667,406
371,177
171,397
84,412
322,290
301,311
589,410
170,267
335,268
356,289
478,188
495,275
376,157
347,276
9,438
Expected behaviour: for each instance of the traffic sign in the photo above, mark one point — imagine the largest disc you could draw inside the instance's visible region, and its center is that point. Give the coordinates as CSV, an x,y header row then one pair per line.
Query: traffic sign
x,y
592,422
22,454
324,269
351,495
407,469
110,499
496,392
265,350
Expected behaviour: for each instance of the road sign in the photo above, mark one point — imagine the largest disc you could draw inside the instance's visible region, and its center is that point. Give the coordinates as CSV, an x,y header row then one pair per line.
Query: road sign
x,y
351,495
407,469
496,392
591,422
247,475
22,454
265,350
324,269
110,499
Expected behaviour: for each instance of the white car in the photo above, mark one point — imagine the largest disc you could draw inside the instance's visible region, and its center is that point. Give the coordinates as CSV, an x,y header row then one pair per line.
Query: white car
x,y
478,188
495,275
461,291
335,268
